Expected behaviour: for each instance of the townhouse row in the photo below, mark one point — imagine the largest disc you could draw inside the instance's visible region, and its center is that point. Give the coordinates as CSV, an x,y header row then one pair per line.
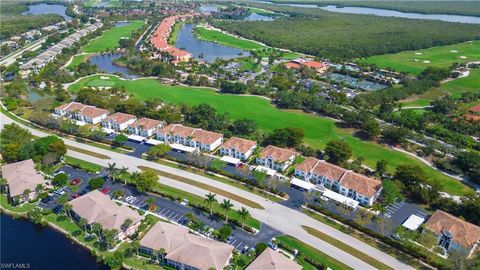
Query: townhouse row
x,y
270,159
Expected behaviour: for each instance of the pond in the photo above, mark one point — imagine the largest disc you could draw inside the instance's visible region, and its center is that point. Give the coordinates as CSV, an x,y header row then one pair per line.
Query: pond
x,y
105,64
25,243
357,83
258,17
205,50
39,9
386,13
34,96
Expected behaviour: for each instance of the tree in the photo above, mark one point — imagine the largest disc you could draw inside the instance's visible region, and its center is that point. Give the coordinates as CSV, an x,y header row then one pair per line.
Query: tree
x,y
338,151
457,259
381,167
112,170
371,128
285,137
83,222
395,135
68,208
117,194
244,214
210,200
135,246
60,180
427,238
120,140
260,247
243,127
259,176
226,205
98,229
159,151
410,174
62,200
216,165
110,237
95,183
146,181
224,232
126,224
115,261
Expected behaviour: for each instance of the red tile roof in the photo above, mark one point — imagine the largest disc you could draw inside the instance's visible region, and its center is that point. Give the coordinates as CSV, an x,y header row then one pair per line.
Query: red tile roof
x,y
314,64
291,65
196,134
239,144
146,123
360,183
471,117
278,154
475,109
120,118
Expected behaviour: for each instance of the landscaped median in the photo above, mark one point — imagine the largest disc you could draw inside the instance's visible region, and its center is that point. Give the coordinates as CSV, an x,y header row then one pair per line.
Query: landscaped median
x,y
350,250
82,164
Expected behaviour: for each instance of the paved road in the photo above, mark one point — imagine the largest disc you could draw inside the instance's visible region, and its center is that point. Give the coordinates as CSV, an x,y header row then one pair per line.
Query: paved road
x,y
11,58
279,217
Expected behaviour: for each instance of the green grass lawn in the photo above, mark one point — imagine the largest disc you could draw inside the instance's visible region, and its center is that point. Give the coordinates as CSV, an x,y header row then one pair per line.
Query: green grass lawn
x,y
77,59
85,165
24,208
309,251
225,39
442,56
416,102
318,131
109,39
467,84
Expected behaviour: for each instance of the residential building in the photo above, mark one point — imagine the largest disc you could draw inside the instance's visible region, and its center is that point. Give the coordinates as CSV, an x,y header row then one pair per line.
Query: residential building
x,y
454,233
85,113
145,127
319,67
119,121
348,183
276,158
97,207
238,148
269,259
22,181
184,250
192,137
474,114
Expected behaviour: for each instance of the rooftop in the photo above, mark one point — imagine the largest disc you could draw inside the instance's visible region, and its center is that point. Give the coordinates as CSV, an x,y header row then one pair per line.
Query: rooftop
x,y
272,260
21,176
239,144
147,123
278,154
120,117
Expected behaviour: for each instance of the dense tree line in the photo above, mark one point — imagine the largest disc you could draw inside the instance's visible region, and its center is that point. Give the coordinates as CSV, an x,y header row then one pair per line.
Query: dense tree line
x,y
339,36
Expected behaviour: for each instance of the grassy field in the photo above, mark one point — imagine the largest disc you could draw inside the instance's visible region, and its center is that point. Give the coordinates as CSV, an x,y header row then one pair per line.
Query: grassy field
x,y
318,131
225,39
84,165
111,3
109,39
309,251
442,56
77,59
467,84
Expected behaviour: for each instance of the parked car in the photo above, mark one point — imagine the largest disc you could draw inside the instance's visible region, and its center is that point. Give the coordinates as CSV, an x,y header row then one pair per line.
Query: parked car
x,y
47,199
105,190
75,181
75,195
272,245
245,249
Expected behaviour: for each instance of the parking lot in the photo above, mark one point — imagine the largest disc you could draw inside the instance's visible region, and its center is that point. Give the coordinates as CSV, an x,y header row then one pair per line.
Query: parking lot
x,y
400,211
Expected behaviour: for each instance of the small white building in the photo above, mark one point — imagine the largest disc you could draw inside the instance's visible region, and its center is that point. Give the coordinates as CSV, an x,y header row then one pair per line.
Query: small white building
x,y
119,121
276,158
84,113
238,148
145,127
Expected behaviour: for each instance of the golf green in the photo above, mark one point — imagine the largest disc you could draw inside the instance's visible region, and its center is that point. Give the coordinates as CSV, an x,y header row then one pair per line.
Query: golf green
x,y
416,61
318,130
109,39
471,83
226,39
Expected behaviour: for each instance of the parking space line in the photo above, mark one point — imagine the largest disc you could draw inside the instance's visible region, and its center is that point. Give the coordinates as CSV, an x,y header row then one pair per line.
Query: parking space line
x,y
173,213
180,217
234,241
173,218
162,213
238,246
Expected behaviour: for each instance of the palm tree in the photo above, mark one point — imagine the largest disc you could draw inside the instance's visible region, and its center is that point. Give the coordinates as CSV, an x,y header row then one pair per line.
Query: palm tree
x,y
136,246
3,184
39,189
210,200
97,228
112,170
243,213
123,171
126,224
83,223
26,194
134,176
68,208
226,205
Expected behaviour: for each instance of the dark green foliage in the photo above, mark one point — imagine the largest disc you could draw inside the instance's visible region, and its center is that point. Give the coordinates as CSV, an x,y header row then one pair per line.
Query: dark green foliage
x,y
260,247
120,140
224,232
285,137
338,151
95,183
60,180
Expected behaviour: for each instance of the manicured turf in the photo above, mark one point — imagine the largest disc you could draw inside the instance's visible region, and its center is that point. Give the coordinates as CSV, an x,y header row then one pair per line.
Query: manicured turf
x,y
22,209
415,103
77,59
438,56
227,40
461,85
109,39
85,165
318,131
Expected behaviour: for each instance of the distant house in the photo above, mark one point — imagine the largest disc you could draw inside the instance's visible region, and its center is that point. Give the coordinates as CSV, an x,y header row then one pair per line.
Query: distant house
x,y
474,114
192,137
22,180
272,260
348,183
183,250
238,148
276,158
119,121
319,67
145,127
453,232
85,113
97,207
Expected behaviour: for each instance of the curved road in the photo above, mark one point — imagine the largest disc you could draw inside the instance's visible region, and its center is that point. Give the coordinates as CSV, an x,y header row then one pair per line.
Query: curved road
x,y
282,218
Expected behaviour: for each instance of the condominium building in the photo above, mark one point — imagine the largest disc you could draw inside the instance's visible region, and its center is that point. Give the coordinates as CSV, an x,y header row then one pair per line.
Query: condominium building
x,y
238,148
276,158
192,137
119,121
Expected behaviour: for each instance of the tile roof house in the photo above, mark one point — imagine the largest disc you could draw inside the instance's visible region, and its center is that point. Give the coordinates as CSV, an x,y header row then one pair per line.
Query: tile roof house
x,y
97,207
119,121
276,158
238,148
184,250
319,67
192,137
474,109
272,260
348,183
453,232
85,113
22,176
145,127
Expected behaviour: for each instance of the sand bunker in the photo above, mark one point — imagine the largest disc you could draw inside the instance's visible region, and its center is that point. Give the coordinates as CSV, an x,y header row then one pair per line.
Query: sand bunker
x,y
415,60
418,53
463,57
426,62
454,51
104,77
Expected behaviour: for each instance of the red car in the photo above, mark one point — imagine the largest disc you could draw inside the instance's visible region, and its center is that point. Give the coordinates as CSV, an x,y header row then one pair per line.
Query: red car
x,y
105,190
74,195
75,181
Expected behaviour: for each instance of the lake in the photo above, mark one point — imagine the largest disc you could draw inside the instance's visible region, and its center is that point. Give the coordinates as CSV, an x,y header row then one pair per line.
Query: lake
x,y
188,41
23,242
39,9
105,64
386,13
